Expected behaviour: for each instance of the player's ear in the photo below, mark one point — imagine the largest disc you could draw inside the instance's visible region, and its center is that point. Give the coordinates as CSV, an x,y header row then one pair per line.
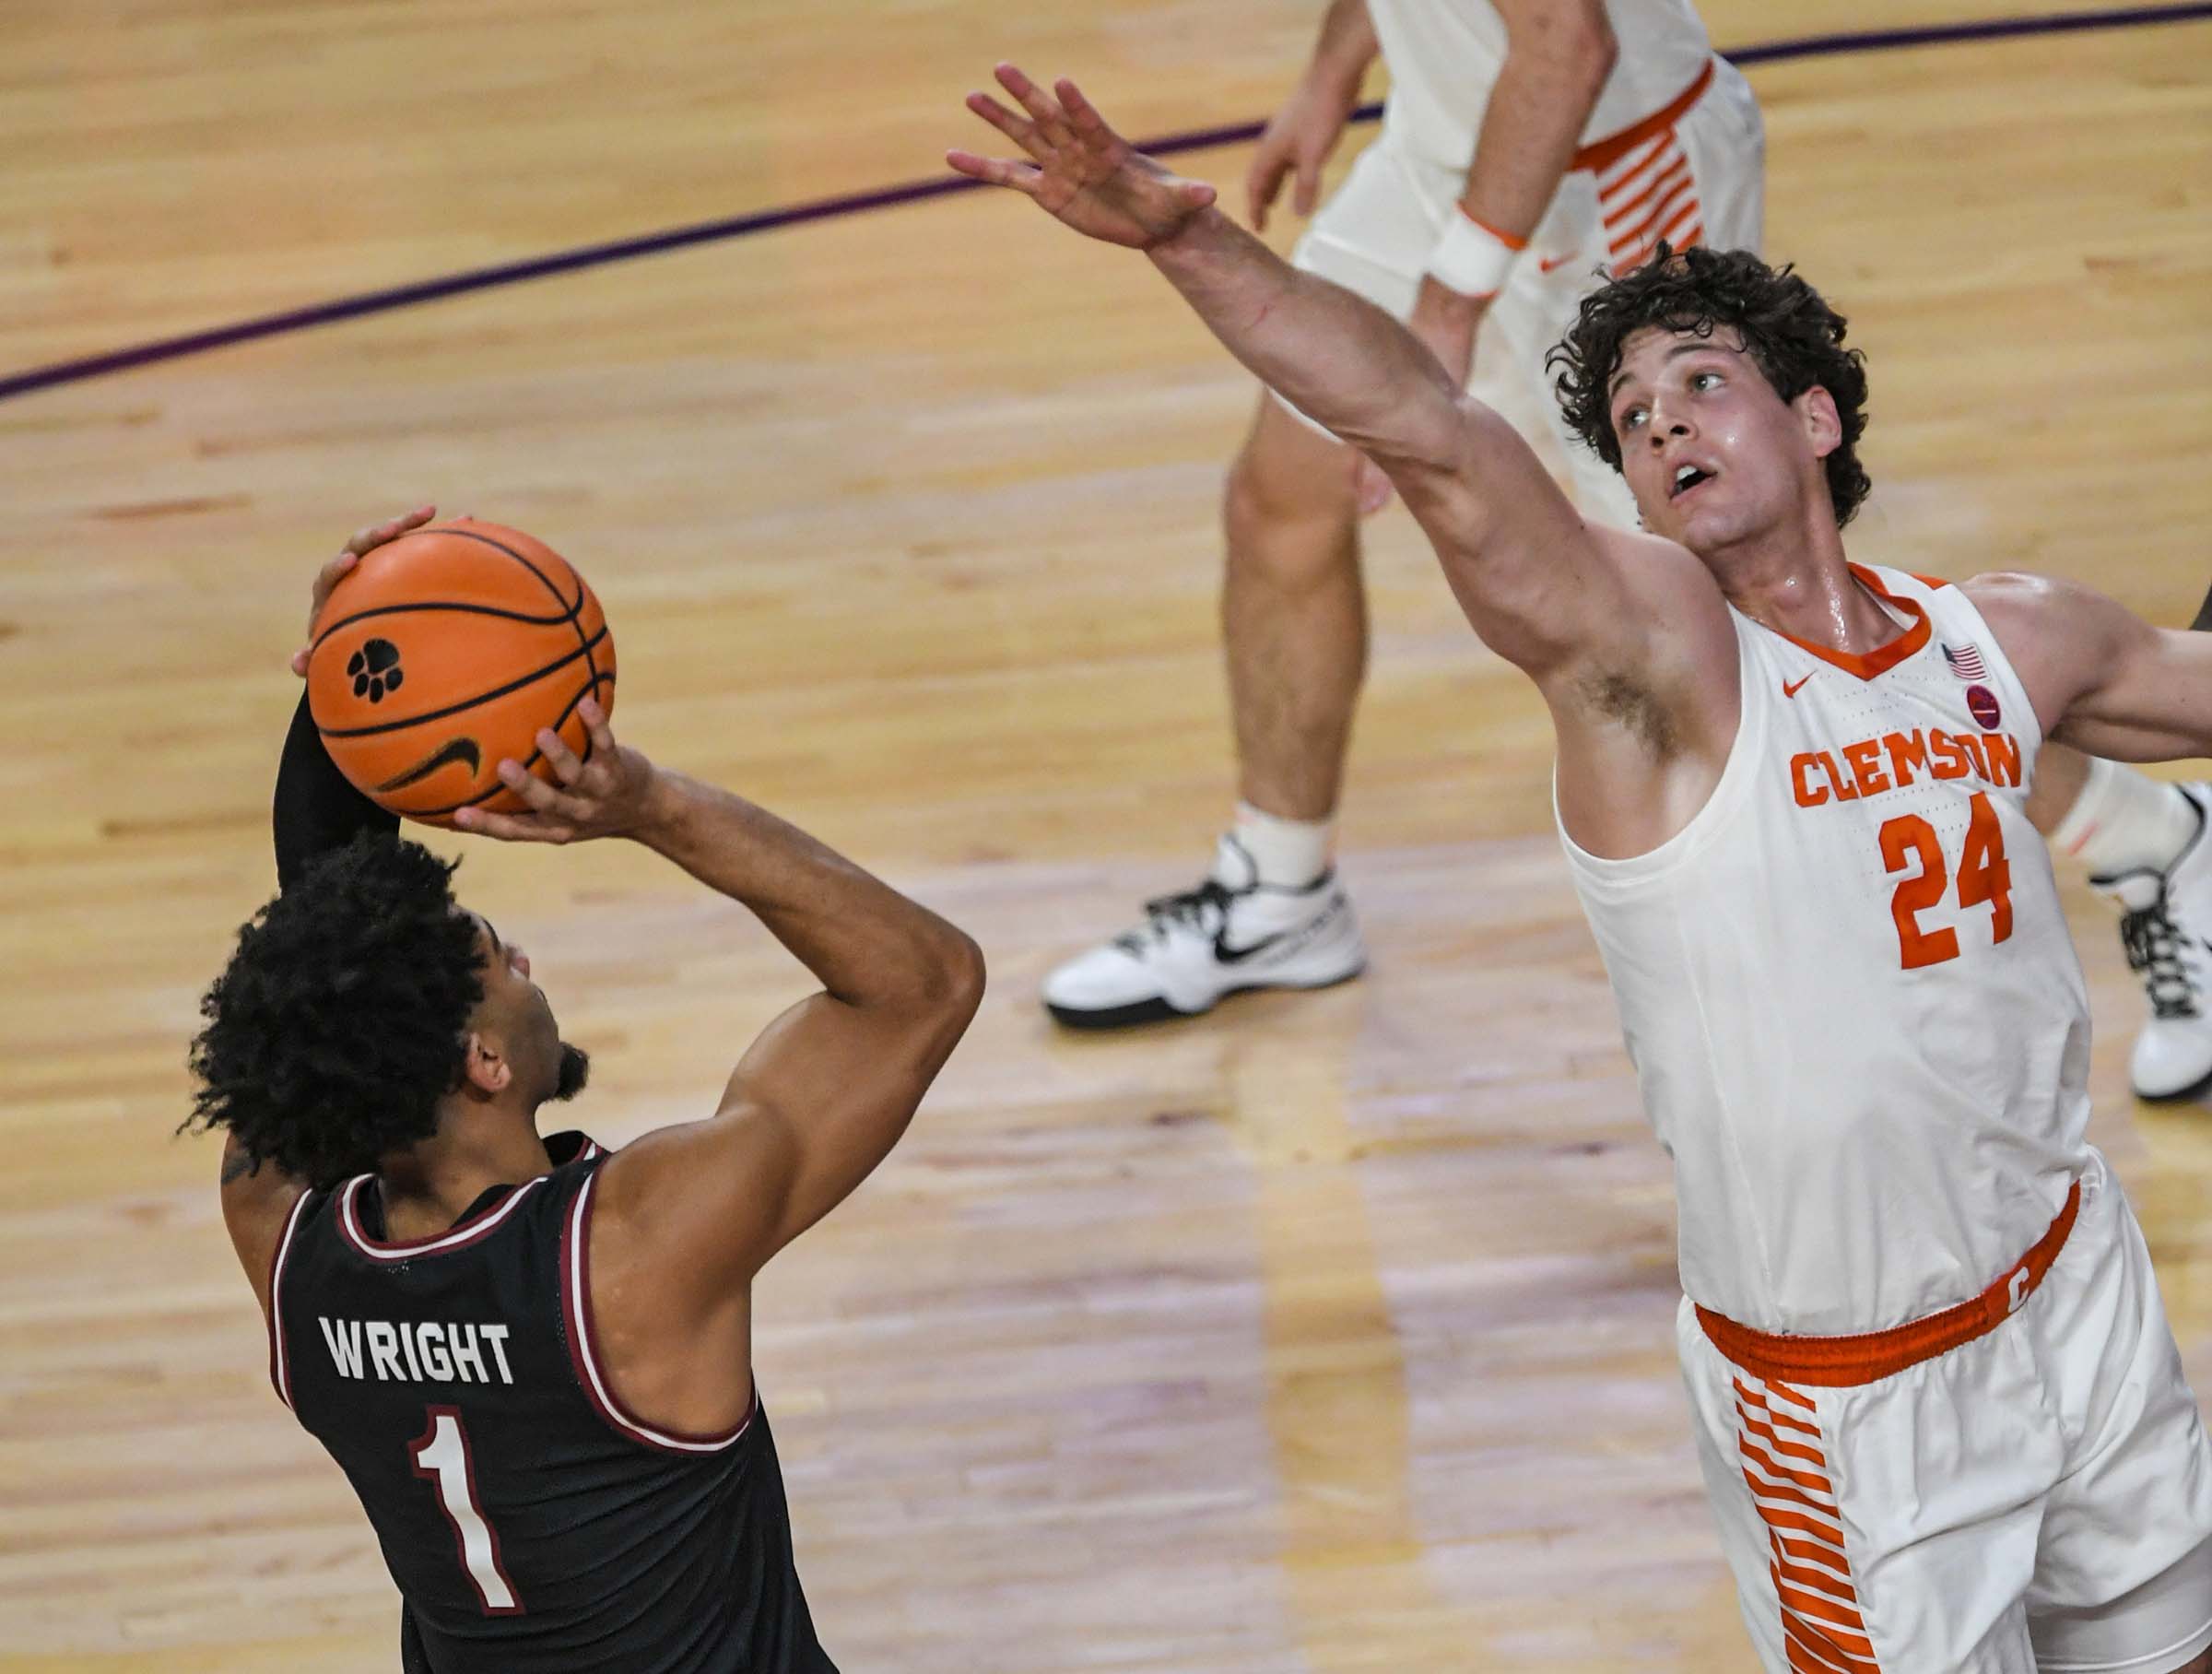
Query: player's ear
x,y
484,1070
1815,409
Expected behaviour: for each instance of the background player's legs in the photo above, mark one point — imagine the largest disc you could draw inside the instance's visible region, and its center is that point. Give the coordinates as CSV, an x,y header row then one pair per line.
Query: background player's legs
x,y
1293,622
2144,843
1294,616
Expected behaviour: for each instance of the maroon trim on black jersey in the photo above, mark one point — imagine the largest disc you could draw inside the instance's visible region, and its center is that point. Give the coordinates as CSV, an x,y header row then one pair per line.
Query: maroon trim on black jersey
x,y
470,1230
280,1371
476,1504
576,1310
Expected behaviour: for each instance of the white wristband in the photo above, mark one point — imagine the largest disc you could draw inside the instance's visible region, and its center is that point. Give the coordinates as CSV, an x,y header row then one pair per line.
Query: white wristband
x,y
1471,258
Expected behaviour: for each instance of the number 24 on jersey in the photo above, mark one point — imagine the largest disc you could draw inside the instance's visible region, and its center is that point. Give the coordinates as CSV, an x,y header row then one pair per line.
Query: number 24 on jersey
x,y
1908,841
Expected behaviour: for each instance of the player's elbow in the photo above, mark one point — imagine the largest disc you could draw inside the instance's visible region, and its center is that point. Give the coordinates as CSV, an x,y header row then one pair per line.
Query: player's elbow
x,y
1594,49
1574,43
957,975
945,981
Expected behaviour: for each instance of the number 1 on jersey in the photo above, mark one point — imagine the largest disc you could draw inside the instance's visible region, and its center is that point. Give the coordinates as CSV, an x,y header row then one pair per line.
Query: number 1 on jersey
x,y
441,1454
1984,875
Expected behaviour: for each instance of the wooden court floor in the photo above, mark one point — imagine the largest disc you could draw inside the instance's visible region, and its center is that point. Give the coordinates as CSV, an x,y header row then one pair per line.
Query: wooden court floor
x,y
1330,1334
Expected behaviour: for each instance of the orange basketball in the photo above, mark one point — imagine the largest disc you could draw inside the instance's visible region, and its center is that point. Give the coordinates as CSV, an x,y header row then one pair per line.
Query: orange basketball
x,y
444,650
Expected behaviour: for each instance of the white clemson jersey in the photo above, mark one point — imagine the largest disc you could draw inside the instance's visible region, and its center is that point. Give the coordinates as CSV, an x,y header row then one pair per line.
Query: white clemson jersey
x,y
1847,986
1444,56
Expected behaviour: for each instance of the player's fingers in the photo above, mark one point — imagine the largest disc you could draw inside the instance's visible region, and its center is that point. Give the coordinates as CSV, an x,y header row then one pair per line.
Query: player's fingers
x,y
1050,120
995,171
1308,191
1262,182
512,828
543,797
556,750
595,724
376,535
1374,488
1020,130
327,577
1082,115
509,828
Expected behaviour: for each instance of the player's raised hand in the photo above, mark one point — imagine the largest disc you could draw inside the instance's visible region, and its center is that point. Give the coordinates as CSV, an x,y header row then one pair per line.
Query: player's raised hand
x,y
363,541
1081,171
609,796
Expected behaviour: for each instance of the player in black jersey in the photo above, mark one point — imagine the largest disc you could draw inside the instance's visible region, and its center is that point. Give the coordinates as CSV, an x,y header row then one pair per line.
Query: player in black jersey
x,y
532,1356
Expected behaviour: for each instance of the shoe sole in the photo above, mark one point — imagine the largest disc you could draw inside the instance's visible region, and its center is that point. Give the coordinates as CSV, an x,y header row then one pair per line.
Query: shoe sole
x,y
2180,1095
1158,1010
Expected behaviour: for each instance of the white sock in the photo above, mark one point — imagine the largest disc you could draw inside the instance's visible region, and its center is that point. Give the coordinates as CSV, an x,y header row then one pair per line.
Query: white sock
x,y
2125,821
1289,854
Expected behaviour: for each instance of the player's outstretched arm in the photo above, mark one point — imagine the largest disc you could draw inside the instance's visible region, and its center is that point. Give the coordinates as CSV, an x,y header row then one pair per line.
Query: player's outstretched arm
x,y
2100,677
315,809
1539,585
823,1096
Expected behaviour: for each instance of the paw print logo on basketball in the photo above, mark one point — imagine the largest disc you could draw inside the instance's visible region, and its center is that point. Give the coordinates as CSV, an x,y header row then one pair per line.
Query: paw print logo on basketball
x,y
442,654
375,670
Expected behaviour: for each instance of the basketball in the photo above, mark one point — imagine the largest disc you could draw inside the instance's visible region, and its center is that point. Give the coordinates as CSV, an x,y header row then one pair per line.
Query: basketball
x,y
445,651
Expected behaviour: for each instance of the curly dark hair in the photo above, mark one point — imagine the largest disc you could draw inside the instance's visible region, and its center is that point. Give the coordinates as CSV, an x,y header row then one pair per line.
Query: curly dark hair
x,y
342,1017
1794,337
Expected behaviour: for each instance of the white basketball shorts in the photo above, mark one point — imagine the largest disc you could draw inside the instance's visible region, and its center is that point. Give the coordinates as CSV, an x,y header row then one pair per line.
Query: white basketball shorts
x,y
1696,174
2037,1497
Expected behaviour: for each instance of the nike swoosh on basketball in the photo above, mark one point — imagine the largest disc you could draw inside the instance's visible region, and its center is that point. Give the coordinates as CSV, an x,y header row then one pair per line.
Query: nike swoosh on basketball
x,y
451,752
1789,688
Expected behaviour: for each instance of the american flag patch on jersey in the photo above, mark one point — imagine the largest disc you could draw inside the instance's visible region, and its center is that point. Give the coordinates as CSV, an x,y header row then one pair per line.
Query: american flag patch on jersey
x,y
1966,662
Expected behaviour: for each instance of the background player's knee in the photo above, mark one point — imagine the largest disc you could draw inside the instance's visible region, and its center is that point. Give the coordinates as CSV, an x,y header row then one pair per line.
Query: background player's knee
x,y
1288,506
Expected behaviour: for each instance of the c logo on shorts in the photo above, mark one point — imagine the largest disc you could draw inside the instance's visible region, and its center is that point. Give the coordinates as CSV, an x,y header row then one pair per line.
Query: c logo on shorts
x,y
2016,1290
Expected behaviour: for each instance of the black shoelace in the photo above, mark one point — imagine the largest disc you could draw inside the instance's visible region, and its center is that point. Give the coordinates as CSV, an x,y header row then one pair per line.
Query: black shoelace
x,y
2154,953
1204,908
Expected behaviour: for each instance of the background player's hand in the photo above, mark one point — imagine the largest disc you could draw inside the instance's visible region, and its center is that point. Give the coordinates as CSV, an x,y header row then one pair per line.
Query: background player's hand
x,y
1082,173
330,573
1301,137
610,795
1446,323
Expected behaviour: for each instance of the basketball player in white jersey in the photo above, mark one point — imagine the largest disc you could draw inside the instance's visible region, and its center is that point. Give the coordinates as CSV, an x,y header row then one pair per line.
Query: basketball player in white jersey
x,y
1527,145
1943,1420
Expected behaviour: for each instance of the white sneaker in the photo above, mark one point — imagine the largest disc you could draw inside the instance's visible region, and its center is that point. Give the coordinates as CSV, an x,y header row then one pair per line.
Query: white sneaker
x,y
2165,916
1229,934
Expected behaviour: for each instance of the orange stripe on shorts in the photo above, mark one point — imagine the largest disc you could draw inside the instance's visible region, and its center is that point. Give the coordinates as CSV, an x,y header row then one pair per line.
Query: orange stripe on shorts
x,y
1822,1629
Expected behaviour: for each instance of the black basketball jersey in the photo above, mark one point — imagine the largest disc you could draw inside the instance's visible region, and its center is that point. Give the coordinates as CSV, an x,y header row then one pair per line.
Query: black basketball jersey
x,y
530,1523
